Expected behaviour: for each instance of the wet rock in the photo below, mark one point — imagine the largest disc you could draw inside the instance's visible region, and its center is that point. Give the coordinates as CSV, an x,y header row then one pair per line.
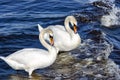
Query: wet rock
x,y
96,35
64,59
84,78
82,18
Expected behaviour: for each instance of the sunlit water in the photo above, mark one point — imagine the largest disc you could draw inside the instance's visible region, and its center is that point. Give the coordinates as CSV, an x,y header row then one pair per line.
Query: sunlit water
x,y
93,60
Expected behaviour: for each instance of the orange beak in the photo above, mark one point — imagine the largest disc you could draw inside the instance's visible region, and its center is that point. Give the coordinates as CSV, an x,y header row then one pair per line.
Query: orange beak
x,y
75,29
51,41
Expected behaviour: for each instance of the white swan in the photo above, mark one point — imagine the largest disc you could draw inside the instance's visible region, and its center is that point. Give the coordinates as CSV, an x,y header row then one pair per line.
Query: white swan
x,y
65,38
29,59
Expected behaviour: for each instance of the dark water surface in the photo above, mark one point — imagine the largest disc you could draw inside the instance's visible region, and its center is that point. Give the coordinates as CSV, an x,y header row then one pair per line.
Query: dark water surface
x,y
18,30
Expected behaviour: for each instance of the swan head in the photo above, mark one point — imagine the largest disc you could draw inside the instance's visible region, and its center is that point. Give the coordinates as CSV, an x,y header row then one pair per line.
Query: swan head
x,y
51,38
73,22
49,33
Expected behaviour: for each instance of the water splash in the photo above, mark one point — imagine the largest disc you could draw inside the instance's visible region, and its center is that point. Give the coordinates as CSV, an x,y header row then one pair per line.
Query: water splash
x,y
94,62
112,18
96,47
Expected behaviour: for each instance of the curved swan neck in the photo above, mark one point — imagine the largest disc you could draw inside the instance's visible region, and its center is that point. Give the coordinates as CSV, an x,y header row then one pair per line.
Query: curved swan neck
x,y
42,40
68,29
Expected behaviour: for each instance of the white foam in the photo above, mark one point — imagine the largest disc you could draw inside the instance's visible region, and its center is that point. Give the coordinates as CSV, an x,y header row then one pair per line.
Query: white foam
x,y
91,1
112,18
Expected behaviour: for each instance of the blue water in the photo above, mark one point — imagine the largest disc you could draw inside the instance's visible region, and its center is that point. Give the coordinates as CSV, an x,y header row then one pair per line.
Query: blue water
x,y
19,19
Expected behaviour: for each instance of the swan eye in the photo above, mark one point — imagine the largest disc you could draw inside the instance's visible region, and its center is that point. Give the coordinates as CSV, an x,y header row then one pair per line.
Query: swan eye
x,y
75,28
51,40
50,36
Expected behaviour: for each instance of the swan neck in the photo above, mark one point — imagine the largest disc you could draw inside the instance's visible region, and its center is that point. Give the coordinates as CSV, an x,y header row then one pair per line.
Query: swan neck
x,y
68,29
42,40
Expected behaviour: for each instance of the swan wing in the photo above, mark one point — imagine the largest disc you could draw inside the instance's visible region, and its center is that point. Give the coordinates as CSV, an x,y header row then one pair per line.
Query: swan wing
x,y
59,33
59,27
28,55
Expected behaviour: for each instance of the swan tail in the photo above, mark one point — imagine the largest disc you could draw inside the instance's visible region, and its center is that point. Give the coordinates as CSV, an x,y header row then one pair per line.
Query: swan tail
x,y
40,27
3,58
15,65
